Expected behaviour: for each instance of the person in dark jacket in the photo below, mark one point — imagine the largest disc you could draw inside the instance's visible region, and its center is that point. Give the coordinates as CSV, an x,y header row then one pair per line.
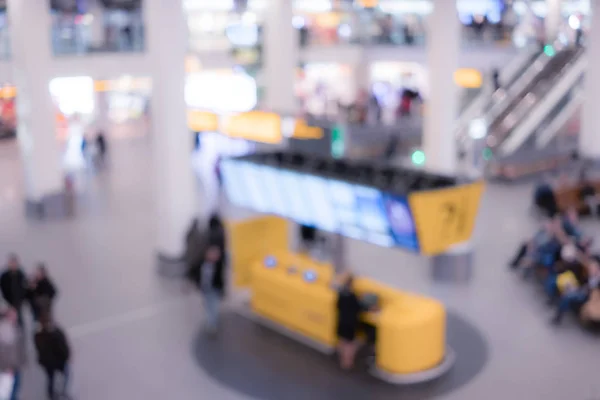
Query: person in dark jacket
x,y
216,233
13,284
41,293
53,353
349,309
209,275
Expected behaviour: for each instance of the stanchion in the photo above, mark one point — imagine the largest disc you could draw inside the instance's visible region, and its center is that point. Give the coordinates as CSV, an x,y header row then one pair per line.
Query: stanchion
x,y
455,265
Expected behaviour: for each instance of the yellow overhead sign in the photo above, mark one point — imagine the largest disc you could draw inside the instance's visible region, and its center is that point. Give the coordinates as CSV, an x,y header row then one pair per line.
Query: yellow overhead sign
x,y
203,121
468,78
304,131
258,126
445,217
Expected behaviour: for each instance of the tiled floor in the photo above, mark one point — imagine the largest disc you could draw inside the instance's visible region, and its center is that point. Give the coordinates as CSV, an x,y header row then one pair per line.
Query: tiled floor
x,y
133,332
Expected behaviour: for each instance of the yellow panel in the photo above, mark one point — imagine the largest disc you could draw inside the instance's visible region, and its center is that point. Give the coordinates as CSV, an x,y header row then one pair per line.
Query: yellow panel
x,y
258,126
445,217
369,3
202,121
252,240
8,92
468,78
305,131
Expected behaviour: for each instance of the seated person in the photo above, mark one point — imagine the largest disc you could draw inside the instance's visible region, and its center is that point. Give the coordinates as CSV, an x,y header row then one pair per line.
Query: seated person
x,y
349,308
540,249
572,229
566,261
590,311
588,195
545,199
574,294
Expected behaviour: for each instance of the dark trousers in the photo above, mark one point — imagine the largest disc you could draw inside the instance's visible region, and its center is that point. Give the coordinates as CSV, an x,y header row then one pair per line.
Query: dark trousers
x,y
51,373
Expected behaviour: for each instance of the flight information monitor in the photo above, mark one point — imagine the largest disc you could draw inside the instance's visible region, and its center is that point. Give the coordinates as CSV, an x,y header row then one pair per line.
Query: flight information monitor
x,y
372,216
402,225
296,196
234,184
273,190
319,203
343,200
356,211
257,189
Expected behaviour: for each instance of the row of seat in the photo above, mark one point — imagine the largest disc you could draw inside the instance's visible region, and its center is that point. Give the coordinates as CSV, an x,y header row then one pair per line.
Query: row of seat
x,y
571,196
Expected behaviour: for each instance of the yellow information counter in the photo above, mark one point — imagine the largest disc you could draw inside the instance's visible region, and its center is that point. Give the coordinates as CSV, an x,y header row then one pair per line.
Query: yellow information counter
x,y
295,292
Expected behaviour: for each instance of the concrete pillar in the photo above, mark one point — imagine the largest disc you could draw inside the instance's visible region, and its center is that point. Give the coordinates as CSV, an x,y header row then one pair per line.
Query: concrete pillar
x,y
553,20
589,137
443,47
32,60
98,30
176,188
280,59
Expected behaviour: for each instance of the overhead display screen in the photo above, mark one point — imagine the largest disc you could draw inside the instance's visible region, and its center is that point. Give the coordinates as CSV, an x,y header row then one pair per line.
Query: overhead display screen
x,y
272,183
320,203
295,194
355,211
402,225
372,216
234,184
344,202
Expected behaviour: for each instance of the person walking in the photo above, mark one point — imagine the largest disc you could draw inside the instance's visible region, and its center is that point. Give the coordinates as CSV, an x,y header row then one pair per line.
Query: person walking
x,y
53,353
211,281
13,285
12,349
41,292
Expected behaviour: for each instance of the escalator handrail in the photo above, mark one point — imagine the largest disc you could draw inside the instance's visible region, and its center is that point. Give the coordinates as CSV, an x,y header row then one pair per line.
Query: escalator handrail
x,y
517,89
510,73
544,106
558,121
523,106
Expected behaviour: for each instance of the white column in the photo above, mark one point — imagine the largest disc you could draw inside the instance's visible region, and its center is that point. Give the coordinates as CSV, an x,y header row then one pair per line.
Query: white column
x,y
443,47
589,137
30,25
176,190
97,29
553,20
280,57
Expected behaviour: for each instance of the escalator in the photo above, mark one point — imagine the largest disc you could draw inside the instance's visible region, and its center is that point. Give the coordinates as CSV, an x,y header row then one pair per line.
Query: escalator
x,y
511,75
507,121
546,136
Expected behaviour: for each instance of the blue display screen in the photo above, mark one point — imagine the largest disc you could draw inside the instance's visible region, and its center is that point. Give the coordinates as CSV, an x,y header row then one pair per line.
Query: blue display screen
x,y
234,183
319,203
359,212
401,223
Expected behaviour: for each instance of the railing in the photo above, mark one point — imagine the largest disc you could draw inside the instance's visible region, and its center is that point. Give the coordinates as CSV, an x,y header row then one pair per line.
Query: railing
x,y
545,104
559,121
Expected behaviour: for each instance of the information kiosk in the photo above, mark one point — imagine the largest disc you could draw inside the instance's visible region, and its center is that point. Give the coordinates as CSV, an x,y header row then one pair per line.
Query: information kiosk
x,y
388,207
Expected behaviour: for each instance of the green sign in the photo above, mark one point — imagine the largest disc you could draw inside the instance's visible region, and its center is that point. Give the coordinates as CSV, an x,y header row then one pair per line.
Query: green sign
x,y
338,145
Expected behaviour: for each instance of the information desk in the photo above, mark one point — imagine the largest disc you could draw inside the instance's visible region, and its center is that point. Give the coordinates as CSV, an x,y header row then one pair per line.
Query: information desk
x,y
295,292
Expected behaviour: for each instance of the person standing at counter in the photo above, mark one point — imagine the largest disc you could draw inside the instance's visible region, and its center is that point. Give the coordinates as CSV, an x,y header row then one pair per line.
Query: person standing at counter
x,y
349,308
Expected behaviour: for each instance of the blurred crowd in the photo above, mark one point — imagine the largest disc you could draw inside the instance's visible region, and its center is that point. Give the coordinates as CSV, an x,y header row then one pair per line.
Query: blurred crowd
x,y
52,351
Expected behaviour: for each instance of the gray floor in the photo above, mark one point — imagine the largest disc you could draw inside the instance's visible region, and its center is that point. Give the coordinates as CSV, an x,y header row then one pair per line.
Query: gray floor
x,y
133,333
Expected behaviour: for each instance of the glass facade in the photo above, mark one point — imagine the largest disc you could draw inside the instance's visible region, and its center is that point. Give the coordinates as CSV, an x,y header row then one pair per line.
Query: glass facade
x,y
91,26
